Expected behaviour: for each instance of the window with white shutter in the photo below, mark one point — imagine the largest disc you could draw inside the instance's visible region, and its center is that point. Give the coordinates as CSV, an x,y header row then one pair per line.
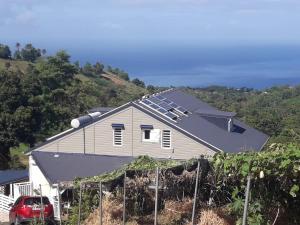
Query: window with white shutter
x,y
118,137
166,139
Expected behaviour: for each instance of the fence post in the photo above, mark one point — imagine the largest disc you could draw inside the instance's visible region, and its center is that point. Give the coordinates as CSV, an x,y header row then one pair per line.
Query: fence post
x,y
79,210
100,201
124,198
59,203
156,195
246,200
195,193
42,205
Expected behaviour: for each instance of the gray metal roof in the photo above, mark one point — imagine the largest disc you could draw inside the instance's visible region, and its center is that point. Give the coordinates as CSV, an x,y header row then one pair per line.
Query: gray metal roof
x,y
13,176
60,167
101,109
210,129
215,113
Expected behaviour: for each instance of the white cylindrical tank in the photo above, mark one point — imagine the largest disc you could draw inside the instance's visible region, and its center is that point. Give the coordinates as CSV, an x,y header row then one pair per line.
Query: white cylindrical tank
x,y
75,123
95,114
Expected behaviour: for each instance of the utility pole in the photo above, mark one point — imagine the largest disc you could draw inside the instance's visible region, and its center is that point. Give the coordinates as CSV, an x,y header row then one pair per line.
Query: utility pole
x,y
80,199
100,201
42,206
156,195
124,199
246,200
195,193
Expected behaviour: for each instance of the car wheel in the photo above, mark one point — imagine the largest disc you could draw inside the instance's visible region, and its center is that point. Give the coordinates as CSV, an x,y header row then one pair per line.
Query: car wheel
x,y
17,222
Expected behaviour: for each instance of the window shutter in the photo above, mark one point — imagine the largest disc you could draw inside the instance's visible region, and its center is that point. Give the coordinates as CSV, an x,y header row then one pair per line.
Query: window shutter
x,y
166,139
118,139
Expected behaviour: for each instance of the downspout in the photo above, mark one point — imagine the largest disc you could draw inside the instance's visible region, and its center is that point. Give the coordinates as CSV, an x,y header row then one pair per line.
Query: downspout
x,y
83,140
132,131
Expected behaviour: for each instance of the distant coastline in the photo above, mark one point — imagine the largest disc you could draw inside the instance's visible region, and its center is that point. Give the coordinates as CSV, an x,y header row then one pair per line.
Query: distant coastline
x,y
245,66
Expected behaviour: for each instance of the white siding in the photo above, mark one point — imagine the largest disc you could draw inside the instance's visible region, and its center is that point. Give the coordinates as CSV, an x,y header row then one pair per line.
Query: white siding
x,y
99,139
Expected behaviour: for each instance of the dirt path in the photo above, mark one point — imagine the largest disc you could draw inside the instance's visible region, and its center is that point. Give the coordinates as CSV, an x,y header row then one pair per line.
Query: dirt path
x,y
114,78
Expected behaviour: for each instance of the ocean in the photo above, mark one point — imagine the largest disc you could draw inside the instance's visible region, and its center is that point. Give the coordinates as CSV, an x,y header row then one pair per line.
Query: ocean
x,y
256,66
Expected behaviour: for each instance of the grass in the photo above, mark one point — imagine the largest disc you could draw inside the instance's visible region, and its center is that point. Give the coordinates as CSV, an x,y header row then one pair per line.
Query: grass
x,y
15,65
19,159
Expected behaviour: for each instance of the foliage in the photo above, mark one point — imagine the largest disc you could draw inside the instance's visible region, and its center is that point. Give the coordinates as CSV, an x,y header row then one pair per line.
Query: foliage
x,y
92,70
29,53
41,99
275,177
138,82
5,52
274,111
121,73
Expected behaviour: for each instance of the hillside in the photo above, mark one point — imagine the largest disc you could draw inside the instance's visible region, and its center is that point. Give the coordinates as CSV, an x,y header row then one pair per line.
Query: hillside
x,y
14,65
39,99
274,111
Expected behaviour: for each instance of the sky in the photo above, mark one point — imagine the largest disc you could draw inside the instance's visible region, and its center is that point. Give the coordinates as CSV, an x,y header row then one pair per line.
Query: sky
x,y
127,23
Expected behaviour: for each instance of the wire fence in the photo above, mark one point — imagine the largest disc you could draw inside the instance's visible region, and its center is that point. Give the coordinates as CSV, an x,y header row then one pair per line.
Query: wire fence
x,y
144,194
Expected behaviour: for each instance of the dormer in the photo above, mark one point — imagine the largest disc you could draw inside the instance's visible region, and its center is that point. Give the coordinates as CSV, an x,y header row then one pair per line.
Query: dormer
x,y
219,115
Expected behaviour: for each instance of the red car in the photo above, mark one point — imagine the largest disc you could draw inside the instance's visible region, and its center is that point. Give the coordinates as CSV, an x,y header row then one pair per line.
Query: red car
x,y
27,208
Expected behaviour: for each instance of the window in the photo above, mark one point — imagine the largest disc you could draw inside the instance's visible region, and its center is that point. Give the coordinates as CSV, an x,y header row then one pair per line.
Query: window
x,y
36,201
118,138
147,134
151,135
166,139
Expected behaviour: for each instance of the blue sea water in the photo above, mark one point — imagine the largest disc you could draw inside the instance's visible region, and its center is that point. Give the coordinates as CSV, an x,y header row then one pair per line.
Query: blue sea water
x,y
255,66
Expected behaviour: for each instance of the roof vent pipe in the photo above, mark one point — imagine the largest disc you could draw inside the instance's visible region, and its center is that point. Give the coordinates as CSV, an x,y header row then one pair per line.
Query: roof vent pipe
x,y
230,124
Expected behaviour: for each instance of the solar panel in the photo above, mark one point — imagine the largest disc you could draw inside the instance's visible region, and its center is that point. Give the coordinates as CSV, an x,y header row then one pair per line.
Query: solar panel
x,y
165,106
160,97
153,106
171,116
162,110
174,105
167,101
154,100
147,102
182,110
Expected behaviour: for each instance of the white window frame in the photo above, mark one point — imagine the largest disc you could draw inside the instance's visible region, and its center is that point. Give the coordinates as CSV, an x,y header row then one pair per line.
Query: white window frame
x,y
114,137
162,139
151,140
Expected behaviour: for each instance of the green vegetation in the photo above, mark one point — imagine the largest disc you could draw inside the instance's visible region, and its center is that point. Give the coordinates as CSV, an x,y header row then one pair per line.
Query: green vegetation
x,y
39,99
275,179
274,111
5,52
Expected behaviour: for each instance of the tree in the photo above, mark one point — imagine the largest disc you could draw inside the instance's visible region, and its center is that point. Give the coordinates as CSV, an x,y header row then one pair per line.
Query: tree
x,y
98,68
44,52
88,69
5,52
18,45
138,82
29,53
151,88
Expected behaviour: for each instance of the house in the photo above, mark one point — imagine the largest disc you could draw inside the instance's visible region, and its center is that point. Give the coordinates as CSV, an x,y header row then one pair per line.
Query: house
x,y
169,124
13,183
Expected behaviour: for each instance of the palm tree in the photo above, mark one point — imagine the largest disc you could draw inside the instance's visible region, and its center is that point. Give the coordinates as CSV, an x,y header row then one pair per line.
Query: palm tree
x,y
18,45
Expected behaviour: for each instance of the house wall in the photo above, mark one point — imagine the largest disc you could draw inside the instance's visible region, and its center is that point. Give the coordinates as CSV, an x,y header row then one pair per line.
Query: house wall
x,y
99,139
37,178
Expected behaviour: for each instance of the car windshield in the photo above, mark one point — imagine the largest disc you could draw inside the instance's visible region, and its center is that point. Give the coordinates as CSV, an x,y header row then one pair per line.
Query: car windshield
x,y
36,201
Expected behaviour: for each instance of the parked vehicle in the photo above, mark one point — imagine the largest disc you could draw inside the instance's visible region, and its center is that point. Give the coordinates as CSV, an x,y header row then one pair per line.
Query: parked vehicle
x,y
29,208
